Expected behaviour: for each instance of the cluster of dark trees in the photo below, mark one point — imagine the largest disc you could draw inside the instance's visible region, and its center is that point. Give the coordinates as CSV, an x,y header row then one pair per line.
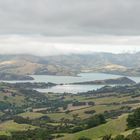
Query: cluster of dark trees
x,y
21,120
36,134
90,112
115,113
133,120
84,138
91,122
77,103
95,121
4,105
124,89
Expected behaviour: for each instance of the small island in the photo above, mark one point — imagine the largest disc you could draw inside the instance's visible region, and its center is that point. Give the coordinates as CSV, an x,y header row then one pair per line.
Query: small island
x,y
116,81
35,85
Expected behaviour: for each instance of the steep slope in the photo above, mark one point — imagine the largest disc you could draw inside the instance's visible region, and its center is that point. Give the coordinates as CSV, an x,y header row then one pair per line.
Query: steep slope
x,y
113,127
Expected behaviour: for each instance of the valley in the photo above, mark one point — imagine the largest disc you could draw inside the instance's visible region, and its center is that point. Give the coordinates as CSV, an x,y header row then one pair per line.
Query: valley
x,y
68,115
69,70
50,99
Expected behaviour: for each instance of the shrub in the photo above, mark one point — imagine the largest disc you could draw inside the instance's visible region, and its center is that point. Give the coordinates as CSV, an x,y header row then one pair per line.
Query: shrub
x,y
77,129
21,120
84,138
95,121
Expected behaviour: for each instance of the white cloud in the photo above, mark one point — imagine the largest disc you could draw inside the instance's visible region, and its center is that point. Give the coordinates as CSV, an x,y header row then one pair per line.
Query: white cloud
x,y
44,46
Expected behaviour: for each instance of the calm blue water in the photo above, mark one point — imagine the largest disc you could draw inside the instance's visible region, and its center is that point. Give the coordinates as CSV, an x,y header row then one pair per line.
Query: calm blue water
x,y
70,79
80,78
75,88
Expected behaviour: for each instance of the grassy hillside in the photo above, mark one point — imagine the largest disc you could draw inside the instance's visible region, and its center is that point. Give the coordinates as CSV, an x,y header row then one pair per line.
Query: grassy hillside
x,y
113,127
31,115
10,126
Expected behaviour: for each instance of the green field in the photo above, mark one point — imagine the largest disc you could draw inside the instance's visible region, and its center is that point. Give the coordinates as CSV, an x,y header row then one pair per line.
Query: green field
x,y
97,108
10,126
31,115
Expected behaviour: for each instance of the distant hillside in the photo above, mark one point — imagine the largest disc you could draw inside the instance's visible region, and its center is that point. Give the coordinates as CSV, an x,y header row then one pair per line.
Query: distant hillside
x,y
123,64
10,77
121,80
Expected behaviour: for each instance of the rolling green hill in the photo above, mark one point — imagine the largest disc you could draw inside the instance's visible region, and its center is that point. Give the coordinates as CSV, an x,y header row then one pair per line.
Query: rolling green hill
x,y
113,127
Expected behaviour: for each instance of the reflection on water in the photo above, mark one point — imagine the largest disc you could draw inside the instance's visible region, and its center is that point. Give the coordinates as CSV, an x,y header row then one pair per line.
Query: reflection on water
x,y
70,88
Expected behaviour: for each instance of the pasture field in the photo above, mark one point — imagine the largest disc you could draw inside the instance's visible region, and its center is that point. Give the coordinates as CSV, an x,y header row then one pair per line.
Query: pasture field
x,y
10,126
31,115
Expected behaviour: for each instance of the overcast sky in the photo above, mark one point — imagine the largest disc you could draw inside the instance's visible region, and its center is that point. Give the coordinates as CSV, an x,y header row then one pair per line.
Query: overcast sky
x,y
48,27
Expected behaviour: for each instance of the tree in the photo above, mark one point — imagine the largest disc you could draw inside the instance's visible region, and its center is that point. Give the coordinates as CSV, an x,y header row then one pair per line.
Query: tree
x,y
5,97
77,129
2,137
133,120
21,120
134,136
95,121
107,137
84,138
119,137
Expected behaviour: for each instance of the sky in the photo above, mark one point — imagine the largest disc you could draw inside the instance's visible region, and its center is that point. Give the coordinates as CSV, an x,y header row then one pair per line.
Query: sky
x,y
53,27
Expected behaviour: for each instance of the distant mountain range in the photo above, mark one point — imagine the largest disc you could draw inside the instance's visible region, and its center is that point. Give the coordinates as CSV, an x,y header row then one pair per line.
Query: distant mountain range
x,y
123,64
